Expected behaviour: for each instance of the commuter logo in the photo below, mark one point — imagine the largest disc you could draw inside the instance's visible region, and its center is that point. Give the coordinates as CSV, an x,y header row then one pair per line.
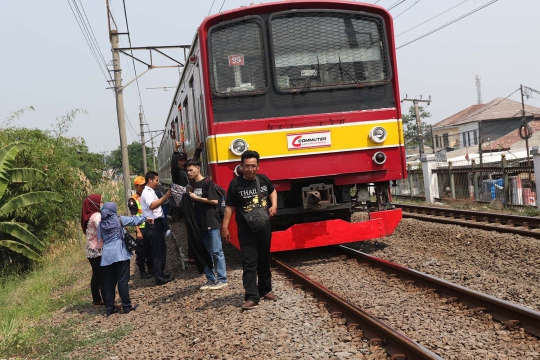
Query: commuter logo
x,y
309,140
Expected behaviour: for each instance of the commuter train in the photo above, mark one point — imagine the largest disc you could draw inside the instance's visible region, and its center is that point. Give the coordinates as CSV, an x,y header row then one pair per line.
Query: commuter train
x,y
312,86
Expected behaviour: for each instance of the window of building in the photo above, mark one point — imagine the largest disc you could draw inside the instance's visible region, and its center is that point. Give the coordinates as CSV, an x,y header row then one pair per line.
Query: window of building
x,y
437,141
446,143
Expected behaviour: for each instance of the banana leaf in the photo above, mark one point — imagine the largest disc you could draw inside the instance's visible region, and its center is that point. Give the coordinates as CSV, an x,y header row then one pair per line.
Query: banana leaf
x,y
22,175
29,199
21,249
18,231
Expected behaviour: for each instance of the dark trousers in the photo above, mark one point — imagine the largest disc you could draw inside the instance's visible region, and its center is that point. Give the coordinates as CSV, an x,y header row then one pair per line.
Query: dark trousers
x,y
155,234
117,273
255,249
144,254
98,280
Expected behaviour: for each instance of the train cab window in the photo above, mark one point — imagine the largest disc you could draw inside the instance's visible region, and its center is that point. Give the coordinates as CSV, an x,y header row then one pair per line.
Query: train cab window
x,y
237,59
327,49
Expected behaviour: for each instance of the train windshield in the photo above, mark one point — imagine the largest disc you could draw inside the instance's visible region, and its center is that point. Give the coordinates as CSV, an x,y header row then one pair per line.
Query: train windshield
x,y
321,49
238,58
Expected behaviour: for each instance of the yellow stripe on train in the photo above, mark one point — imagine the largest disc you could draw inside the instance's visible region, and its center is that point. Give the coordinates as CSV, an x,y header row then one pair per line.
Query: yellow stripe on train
x,y
306,141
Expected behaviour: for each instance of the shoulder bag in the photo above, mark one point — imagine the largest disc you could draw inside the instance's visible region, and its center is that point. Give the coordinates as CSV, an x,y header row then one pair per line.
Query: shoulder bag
x,y
258,217
129,240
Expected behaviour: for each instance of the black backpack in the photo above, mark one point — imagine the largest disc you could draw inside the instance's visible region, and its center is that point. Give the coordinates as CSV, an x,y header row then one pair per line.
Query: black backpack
x,y
221,202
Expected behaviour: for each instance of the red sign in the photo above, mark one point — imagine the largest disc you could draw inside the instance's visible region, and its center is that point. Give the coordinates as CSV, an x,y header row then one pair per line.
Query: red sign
x,y
236,60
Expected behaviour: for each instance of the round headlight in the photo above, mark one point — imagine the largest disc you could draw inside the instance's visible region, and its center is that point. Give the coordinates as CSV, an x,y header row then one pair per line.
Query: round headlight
x,y
379,158
378,134
238,146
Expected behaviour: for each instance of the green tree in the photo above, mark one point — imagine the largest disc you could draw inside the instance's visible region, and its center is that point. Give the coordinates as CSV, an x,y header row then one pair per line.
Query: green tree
x,y
114,159
14,195
410,128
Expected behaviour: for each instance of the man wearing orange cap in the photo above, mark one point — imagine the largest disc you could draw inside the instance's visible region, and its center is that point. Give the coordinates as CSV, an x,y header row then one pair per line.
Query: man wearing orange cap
x,y
143,248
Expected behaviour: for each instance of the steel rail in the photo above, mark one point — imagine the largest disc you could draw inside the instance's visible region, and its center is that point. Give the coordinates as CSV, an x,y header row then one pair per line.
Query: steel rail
x,y
514,224
512,315
396,344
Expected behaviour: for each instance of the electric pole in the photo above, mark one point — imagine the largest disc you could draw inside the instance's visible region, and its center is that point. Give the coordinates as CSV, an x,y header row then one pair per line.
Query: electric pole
x,y
153,153
119,91
145,166
418,127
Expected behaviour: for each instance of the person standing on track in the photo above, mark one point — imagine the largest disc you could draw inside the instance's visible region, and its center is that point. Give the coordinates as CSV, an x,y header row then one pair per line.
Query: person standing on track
x,y
144,255
205,199
179,174
242,197
155,233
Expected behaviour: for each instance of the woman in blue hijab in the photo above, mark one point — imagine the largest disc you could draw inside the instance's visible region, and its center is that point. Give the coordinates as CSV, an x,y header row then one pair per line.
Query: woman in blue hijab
x,y
115,257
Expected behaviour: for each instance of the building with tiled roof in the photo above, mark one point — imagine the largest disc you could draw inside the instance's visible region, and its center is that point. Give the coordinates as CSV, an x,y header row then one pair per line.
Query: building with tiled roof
x,y
487,122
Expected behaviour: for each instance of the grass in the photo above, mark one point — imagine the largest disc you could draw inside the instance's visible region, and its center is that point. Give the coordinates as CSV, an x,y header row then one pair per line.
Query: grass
x,y
28,305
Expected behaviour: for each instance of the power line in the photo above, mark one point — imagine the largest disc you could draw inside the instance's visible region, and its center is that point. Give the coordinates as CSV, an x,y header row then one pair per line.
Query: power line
x,y
88,42
211,7
450,23
93,36
422,23
397,3
221,6
398,15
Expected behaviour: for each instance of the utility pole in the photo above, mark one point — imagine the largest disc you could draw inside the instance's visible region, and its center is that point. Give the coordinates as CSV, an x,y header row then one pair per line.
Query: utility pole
x,y
143,143
525,131
119,90
417,114
153,153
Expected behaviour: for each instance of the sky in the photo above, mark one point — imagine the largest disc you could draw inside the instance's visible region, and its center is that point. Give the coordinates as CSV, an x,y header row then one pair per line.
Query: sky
x,y
47,64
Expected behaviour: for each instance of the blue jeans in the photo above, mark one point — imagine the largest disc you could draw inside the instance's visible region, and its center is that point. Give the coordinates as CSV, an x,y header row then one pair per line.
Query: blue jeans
x,y
212,243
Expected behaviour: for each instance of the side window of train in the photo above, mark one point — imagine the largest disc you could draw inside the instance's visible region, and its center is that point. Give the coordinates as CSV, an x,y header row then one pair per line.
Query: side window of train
x,y
188,122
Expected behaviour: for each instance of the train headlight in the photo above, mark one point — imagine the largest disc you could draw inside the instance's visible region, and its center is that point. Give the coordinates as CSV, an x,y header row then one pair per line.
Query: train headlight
x,y
238,146
378,134
379,158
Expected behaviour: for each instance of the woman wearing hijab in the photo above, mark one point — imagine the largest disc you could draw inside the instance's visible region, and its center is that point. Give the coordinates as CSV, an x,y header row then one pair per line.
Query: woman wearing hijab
x,y
115,258
90,218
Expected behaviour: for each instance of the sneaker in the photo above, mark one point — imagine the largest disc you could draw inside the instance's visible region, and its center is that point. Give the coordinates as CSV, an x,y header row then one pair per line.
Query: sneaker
x,y
168,233
207,285
218,285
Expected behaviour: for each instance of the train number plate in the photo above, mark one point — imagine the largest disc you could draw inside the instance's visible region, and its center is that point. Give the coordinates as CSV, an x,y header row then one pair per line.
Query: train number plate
x,y
309,140
236,60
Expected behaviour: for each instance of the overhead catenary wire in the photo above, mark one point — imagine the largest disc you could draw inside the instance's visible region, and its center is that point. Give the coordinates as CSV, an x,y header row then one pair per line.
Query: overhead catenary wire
x,y
396,4
211,6
221,6
398,15
428,20
449,23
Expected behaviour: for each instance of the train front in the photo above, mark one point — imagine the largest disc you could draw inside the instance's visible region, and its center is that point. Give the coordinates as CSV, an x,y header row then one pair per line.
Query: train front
x,y
312,86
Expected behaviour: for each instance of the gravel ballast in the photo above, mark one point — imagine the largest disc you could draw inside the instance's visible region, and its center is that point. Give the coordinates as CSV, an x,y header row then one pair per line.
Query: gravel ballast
x,y
179,321
450,330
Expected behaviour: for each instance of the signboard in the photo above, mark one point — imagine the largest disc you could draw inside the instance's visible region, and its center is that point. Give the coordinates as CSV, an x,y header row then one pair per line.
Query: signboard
x,y
309,140
236,60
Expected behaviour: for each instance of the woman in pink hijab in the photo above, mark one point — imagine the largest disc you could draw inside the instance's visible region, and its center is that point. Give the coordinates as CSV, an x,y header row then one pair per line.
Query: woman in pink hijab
x,y
90,219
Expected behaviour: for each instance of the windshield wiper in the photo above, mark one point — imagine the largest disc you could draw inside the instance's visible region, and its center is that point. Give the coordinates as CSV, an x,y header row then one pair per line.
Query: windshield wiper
x,y
308,82
341,70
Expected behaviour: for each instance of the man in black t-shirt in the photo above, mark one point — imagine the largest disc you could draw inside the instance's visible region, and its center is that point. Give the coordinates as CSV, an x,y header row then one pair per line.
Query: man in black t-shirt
x,y
205,199
242,197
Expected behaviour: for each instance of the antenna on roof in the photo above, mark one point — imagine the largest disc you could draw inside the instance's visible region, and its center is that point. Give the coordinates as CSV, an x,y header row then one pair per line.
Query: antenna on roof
x,y
479,89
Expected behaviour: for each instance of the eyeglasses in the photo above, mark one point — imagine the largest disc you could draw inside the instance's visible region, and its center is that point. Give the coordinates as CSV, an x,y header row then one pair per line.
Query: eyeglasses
x,y
249,166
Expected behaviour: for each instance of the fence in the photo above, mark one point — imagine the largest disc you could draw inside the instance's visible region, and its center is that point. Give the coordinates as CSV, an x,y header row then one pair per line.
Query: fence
x,y
512,183
413,186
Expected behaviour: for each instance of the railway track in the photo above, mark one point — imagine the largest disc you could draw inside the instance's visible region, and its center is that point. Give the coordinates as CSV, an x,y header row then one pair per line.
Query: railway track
x,y
397,345
512,317
513,224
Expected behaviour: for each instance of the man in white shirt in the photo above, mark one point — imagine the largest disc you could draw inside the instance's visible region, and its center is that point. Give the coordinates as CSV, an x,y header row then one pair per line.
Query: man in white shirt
x,y
151,207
